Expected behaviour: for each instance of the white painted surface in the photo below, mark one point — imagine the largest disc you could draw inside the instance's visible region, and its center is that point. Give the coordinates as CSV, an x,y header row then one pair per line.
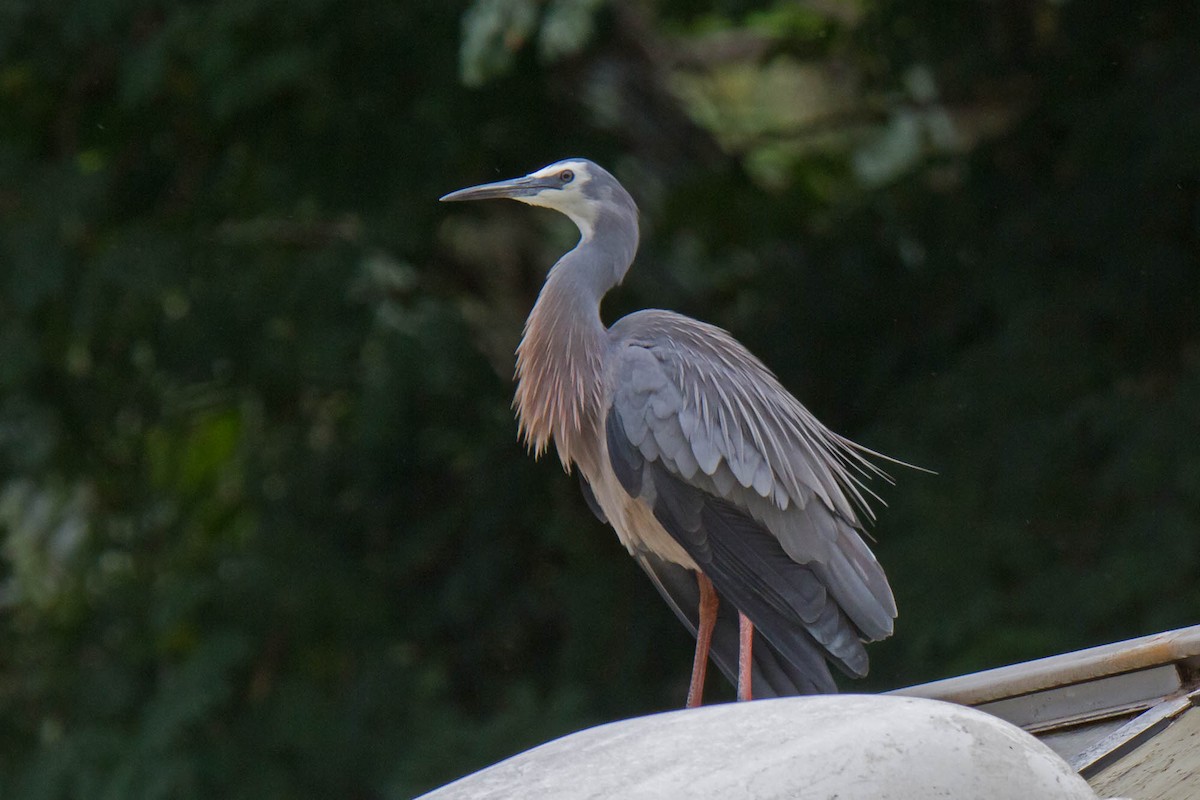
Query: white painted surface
x,y
843,747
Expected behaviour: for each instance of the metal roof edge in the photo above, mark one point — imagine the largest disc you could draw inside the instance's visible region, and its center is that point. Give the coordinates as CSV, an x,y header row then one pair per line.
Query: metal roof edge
x,y
1061,670
1132,735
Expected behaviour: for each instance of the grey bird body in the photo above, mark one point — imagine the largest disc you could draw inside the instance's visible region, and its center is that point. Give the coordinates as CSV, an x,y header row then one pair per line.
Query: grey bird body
x,y
696,455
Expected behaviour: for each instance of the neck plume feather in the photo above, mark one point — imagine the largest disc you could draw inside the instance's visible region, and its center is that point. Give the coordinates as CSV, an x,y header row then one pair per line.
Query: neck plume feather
x,y
561,358
560,367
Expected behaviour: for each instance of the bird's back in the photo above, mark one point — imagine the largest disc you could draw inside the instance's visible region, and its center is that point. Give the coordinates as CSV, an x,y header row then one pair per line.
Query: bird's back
x,y
734,412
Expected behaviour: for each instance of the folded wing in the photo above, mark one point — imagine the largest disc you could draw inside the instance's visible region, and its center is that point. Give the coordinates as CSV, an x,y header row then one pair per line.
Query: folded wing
x,y
763,497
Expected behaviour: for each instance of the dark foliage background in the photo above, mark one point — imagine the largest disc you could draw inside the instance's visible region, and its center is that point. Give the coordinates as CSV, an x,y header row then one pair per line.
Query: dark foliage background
x,y
266,528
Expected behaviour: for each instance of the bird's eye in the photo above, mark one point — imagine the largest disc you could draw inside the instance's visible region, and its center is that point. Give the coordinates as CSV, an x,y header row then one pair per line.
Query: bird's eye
x,y
566,176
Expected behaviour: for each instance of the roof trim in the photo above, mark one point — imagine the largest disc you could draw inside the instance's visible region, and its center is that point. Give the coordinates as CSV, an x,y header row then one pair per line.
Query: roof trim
x,y
1061,670
1132,735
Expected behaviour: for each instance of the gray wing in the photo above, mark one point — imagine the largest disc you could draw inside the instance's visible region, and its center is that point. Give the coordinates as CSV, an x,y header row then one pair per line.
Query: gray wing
x,y
774,675
756,490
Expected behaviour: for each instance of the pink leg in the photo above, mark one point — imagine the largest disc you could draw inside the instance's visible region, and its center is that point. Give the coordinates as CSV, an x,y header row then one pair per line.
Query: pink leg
x,y
708,619
745,656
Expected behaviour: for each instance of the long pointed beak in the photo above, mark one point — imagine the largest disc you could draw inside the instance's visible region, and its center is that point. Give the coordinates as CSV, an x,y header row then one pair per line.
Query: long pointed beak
x,y
514,188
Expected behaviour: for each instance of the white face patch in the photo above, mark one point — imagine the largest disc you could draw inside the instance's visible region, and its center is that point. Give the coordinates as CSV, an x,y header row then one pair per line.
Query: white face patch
x,y
569,199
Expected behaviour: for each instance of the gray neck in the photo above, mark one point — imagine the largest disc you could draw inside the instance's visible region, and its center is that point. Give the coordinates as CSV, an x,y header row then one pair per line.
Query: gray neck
x,y
600,260
560,361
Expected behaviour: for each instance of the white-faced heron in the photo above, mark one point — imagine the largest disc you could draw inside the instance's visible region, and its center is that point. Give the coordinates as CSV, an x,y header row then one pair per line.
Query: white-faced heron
x,y
718,481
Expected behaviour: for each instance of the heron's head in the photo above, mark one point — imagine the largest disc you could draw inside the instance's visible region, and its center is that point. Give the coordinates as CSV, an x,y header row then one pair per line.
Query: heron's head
x,y
579,188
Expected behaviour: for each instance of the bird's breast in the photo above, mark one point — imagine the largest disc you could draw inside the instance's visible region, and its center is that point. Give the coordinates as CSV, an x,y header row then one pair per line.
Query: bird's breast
x,y
632,519
560,382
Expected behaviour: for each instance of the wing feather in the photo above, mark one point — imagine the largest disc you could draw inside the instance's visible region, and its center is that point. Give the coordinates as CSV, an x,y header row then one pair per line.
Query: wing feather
x,y
773,676
711,423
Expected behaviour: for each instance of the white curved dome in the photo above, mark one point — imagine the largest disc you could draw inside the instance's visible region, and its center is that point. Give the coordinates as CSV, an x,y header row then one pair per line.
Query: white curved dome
x,y
848,747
